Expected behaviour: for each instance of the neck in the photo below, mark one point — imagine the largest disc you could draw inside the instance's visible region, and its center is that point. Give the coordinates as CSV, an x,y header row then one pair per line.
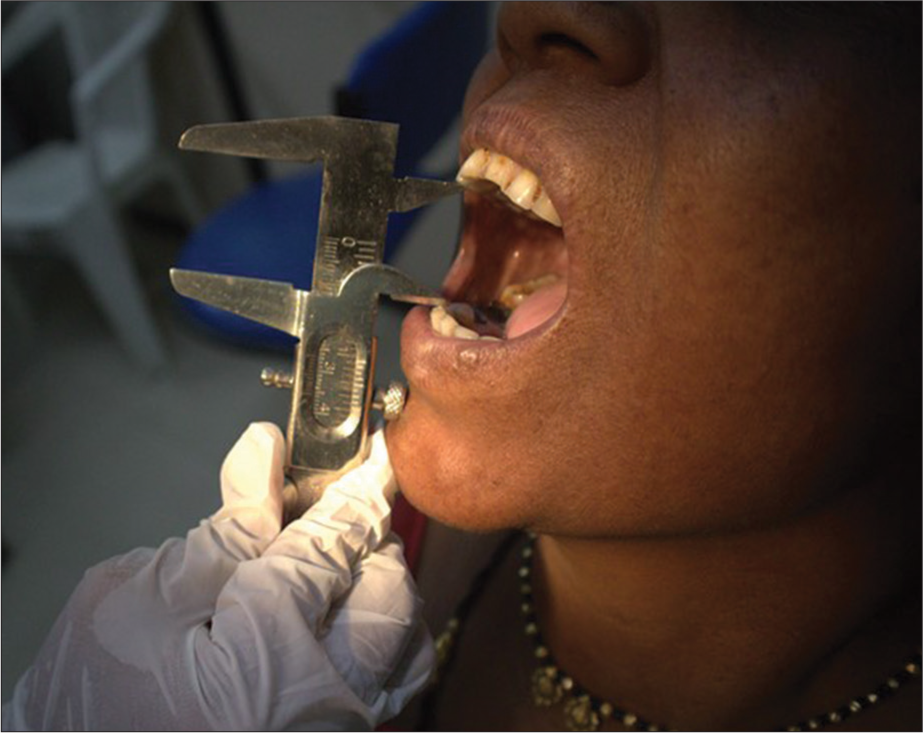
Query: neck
x,y
758,628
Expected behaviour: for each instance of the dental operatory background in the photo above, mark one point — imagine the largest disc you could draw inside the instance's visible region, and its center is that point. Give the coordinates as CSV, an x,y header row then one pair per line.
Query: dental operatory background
x,y
119,401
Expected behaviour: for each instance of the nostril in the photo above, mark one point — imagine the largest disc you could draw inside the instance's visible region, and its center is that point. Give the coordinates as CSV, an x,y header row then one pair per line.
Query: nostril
x,y
562,42
608,41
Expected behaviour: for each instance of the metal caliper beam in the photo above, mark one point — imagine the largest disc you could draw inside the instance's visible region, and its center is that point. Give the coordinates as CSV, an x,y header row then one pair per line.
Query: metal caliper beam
x,y
333,372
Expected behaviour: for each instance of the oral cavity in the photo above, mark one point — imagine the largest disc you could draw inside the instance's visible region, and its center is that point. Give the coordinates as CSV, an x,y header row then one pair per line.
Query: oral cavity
x,y
492,173
514,278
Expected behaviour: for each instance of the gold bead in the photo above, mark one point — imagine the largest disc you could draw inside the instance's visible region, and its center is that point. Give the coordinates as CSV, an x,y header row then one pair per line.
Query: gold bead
x,y
579,714
527,551
605,709
444,647
871,698
629,720
525,588
526,608
567,683
813,724
893,683
541,652
912,668
531,629
523,572
545,691
833,716
653,728
855,706
452,625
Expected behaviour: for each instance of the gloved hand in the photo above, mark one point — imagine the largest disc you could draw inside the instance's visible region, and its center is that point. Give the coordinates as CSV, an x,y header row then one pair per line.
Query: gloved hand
x,y
241,625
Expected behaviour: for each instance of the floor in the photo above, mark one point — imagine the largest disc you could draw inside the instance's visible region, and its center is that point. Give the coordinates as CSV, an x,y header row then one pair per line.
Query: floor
x,y
98,457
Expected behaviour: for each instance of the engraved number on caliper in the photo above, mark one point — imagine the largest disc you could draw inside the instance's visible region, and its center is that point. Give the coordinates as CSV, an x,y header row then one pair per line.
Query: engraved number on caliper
x,y
340,255
339,387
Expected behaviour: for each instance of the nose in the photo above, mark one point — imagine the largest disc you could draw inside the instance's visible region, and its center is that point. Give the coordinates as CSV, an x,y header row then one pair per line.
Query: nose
x,y
607,41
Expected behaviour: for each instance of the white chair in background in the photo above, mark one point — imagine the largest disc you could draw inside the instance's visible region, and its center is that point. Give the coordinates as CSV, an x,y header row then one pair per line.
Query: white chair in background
x,y
70,190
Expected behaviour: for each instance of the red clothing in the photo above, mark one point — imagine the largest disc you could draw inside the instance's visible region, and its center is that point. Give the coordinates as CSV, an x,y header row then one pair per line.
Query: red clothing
x,y
410,526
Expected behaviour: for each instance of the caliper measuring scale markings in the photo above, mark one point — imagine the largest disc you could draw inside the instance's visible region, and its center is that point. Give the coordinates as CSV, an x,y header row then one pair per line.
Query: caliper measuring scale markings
x,y
334,322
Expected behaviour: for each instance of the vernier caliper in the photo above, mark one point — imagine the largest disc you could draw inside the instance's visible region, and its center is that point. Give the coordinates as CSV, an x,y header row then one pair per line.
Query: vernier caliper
x,y
332,380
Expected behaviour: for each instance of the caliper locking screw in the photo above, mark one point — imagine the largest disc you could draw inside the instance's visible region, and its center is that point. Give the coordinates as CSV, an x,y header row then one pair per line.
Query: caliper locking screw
x,y
390,401
271,378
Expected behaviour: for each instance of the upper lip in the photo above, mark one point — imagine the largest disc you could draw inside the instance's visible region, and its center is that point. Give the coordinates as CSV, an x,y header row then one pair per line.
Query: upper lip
x,y
524,139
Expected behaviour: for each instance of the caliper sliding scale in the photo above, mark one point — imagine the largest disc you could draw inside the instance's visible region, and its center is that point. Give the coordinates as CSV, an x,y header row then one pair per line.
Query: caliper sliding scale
x,y
334,322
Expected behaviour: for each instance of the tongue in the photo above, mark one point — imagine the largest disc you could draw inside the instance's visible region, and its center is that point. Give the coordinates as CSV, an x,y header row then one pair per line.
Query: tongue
x,y
537,309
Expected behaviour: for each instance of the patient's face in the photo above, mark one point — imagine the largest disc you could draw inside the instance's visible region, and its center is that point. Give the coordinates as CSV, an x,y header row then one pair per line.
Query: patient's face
x,y
724,338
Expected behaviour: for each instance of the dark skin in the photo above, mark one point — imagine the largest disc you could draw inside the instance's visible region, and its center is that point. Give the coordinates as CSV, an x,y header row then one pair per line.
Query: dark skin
x,y
717,436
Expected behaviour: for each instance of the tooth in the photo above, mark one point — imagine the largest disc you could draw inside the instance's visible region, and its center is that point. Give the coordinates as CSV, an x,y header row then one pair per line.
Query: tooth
x,y
523,189
484,170
447,327
501,170
460,332
474,167
544,209
441,322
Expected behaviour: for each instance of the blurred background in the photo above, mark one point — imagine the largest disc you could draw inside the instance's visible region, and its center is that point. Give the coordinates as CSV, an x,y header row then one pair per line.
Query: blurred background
x,y
119,400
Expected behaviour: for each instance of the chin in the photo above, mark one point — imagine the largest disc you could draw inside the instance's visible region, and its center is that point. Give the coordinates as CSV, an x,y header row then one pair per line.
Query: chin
x,y
447,482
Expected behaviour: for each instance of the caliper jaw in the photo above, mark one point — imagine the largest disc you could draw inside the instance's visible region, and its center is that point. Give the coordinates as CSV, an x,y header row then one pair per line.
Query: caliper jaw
x,y
334,322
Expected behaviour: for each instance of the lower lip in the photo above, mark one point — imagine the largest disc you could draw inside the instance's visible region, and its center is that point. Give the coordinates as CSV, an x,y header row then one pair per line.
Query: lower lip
x,y
429,356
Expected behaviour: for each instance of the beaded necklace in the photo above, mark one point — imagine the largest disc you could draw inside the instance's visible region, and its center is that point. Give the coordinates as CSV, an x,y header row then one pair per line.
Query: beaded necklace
x,y
583,711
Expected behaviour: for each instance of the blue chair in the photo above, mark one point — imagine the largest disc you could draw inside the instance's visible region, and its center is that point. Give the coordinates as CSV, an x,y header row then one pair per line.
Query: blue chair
x,y
414,75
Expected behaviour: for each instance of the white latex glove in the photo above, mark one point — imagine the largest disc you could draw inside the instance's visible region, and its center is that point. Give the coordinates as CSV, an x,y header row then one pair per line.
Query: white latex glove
x,y
241,625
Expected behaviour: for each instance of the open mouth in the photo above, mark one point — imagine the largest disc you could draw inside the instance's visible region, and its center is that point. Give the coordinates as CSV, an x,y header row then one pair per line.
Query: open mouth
x,y
510,276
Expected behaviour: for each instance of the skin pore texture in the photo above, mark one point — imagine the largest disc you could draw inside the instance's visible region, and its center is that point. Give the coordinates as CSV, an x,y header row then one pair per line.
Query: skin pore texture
x,y
717,434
